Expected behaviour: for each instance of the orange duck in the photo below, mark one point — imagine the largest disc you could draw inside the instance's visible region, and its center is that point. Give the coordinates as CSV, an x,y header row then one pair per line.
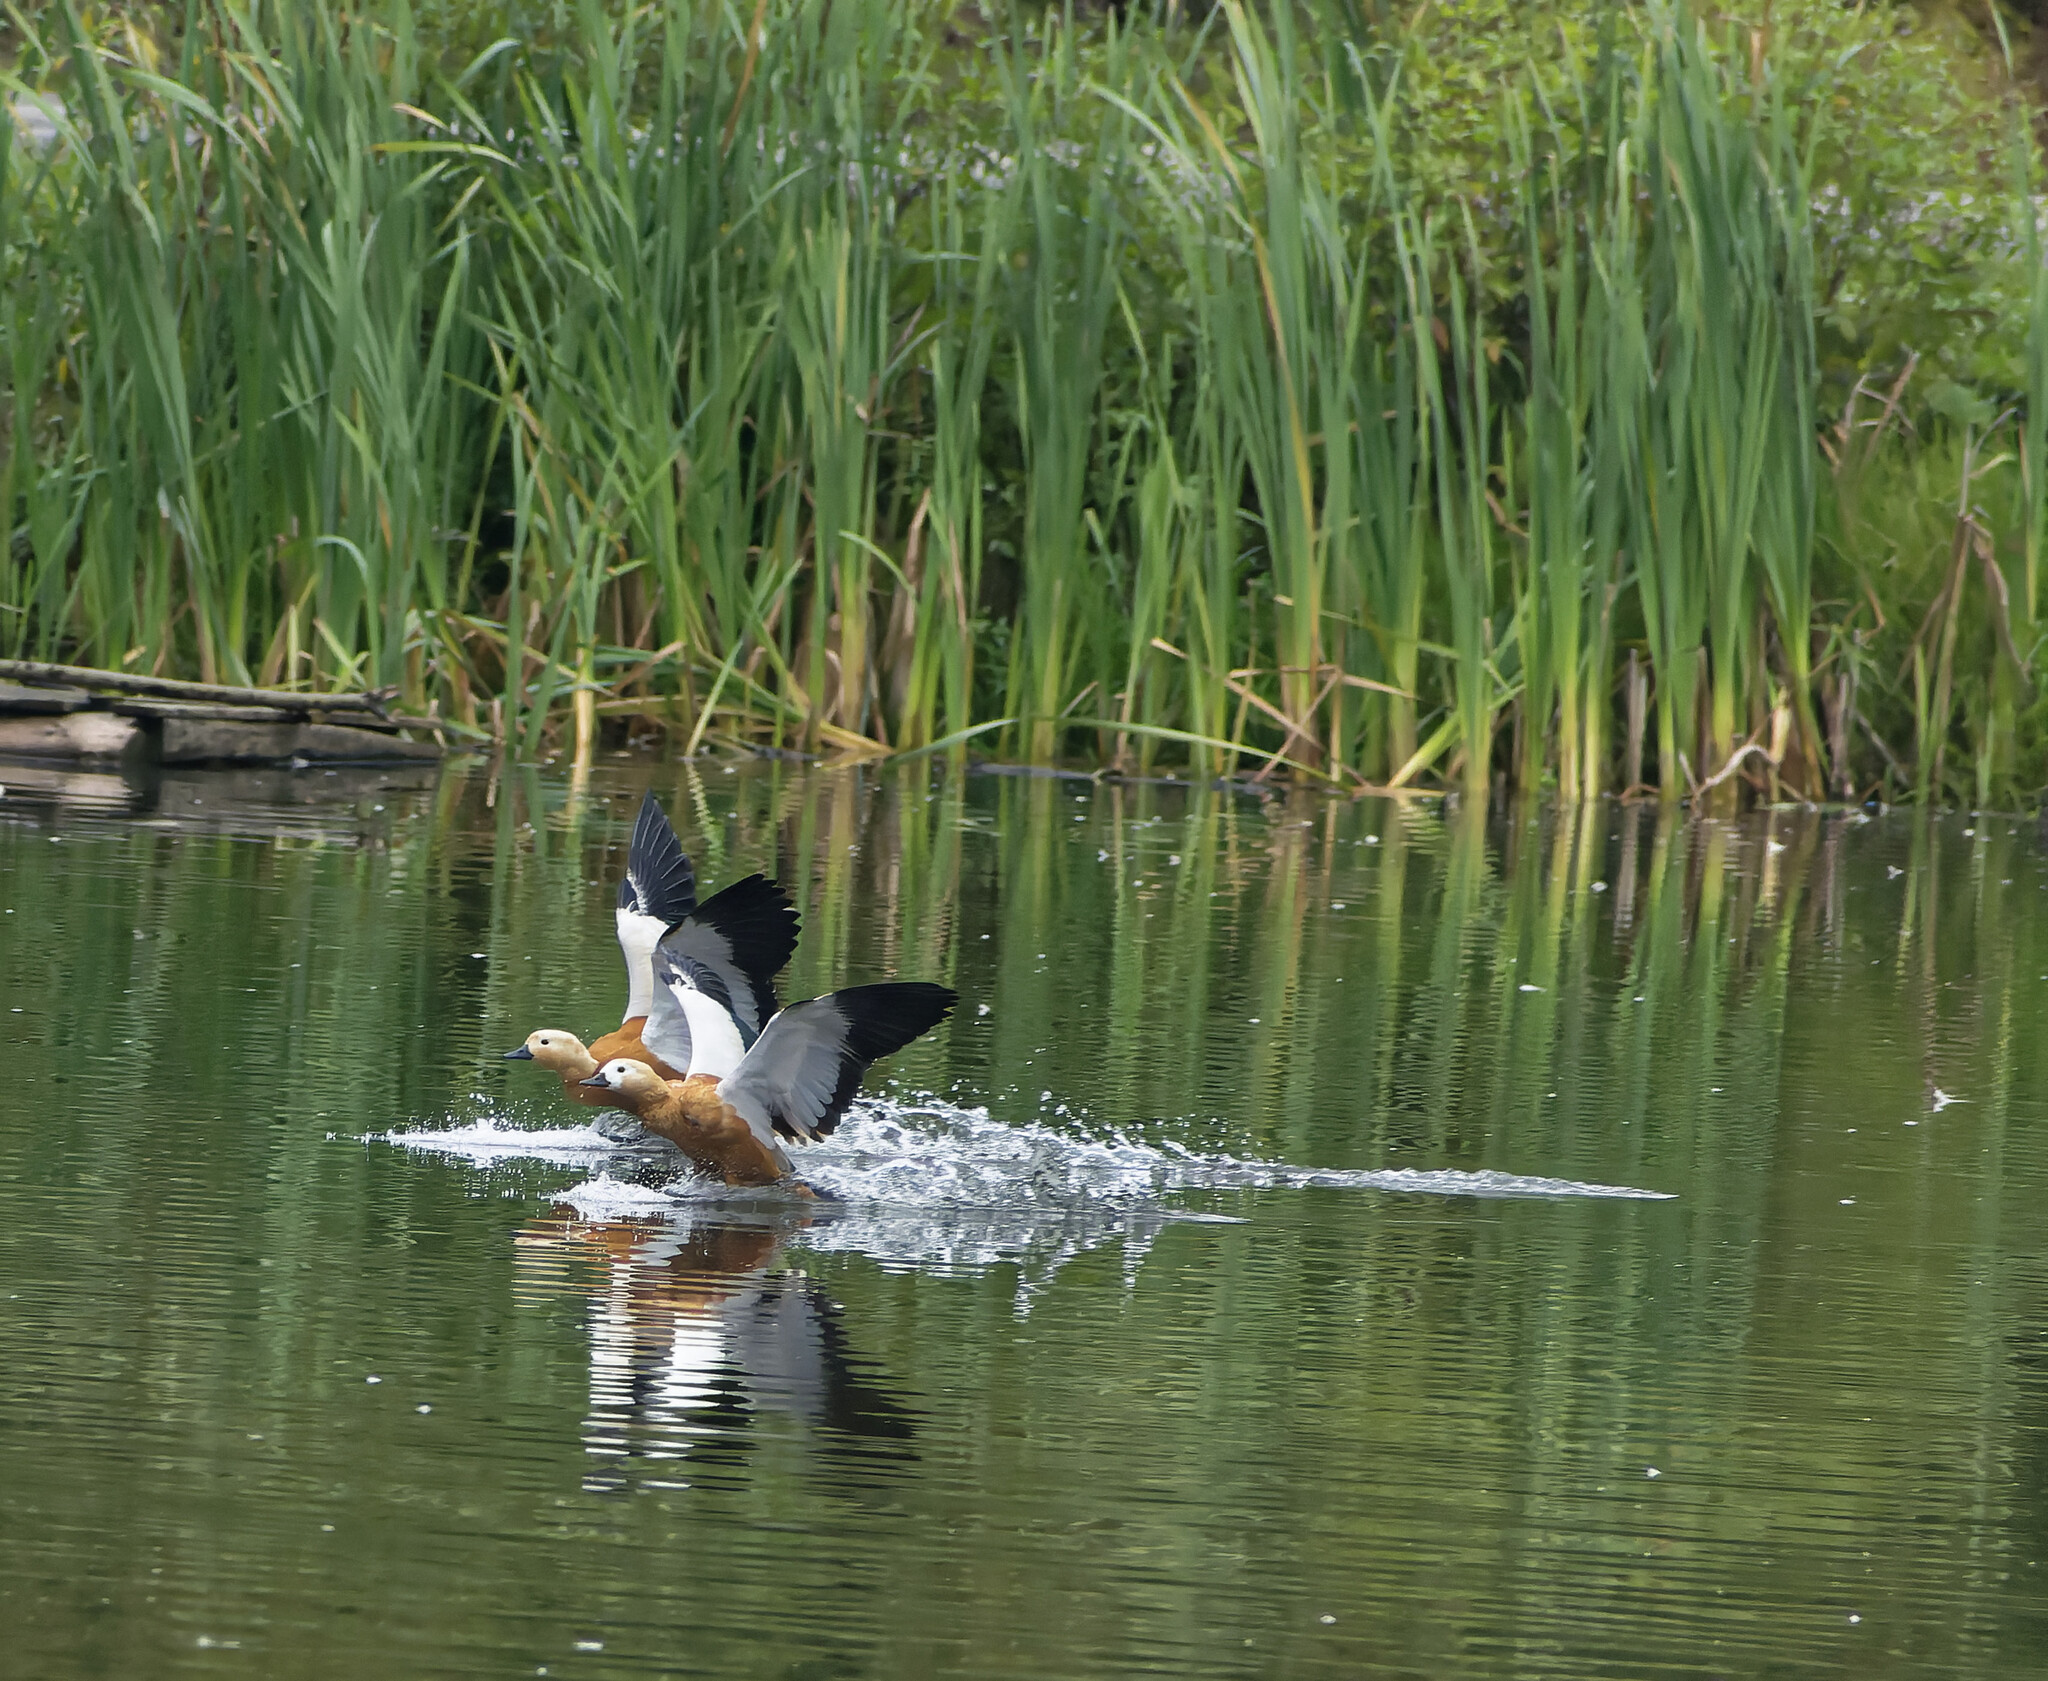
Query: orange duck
x,y
741,937
731,1110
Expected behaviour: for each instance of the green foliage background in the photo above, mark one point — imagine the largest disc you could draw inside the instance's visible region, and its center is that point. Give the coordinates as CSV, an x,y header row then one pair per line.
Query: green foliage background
x,y
947,376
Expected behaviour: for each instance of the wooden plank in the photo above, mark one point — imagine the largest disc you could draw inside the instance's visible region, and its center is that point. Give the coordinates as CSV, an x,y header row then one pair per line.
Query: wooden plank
x,y
346,744
256,714
194,741
15,698
169,688
211,741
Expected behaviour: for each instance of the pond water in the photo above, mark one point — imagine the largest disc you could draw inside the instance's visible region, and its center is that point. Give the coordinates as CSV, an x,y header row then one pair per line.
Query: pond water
x,y
1256,1277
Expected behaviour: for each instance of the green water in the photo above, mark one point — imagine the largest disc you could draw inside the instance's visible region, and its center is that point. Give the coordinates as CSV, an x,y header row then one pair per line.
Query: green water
x,y
1791,1421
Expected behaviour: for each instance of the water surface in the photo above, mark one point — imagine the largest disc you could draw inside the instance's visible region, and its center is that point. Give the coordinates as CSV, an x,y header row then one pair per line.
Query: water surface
x,y
1241,1285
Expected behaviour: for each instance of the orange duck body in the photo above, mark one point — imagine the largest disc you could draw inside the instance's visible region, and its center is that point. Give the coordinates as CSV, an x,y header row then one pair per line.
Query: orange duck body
x,y
697,1121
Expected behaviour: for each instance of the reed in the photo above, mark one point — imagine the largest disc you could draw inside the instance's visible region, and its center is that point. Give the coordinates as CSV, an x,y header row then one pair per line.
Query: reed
x,y
1063,297
770,373
1550,589
946,564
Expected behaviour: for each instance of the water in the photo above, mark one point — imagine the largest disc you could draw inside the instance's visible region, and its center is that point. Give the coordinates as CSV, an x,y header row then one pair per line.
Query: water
x,y
1331,1239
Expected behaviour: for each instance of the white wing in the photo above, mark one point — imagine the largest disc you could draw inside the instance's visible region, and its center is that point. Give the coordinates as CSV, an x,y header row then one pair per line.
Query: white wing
x,y
715,1045
658,890
731,946
639,934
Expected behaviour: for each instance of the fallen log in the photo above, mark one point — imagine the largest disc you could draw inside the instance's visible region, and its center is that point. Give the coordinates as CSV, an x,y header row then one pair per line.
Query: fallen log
x,y
45,673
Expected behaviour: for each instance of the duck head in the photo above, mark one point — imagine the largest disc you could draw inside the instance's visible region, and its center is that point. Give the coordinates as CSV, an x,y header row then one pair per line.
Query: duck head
x,y
554,1050
628,1081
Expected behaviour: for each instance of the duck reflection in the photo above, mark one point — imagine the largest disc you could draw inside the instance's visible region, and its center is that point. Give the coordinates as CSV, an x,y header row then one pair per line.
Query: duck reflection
x,y
702,1344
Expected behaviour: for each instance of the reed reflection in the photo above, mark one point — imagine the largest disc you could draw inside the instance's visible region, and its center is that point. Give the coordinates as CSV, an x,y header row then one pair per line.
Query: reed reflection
x,y
703,1342
1815,1028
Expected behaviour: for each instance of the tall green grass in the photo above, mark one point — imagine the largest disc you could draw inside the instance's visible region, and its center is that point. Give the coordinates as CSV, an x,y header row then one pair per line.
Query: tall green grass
x,y
788,374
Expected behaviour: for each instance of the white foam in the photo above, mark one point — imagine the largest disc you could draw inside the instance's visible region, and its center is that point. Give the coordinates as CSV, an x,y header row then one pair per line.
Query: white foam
x,y
929,1154
946,1239
606,1198
490,1141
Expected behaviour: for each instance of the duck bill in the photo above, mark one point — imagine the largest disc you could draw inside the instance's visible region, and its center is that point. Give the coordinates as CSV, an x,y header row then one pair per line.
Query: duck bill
x,y
520,1055
596,1080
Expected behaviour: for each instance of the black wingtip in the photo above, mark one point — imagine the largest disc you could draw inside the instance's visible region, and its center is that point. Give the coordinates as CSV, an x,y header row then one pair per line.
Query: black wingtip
x,y
660,881
756,917
883,1018
880,1019
759,926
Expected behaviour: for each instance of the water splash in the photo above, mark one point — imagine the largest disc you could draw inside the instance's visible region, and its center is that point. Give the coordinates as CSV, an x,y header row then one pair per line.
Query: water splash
x,y
929,1154
488,1142
941,1188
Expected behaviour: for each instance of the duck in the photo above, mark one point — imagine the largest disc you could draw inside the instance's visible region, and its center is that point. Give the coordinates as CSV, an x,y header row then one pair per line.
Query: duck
x,y
737,1103
739,939
742,935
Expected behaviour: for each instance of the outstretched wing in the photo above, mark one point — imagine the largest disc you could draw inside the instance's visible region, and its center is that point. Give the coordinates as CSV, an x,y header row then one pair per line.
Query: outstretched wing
x,y
659,890
733,946
803,1071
